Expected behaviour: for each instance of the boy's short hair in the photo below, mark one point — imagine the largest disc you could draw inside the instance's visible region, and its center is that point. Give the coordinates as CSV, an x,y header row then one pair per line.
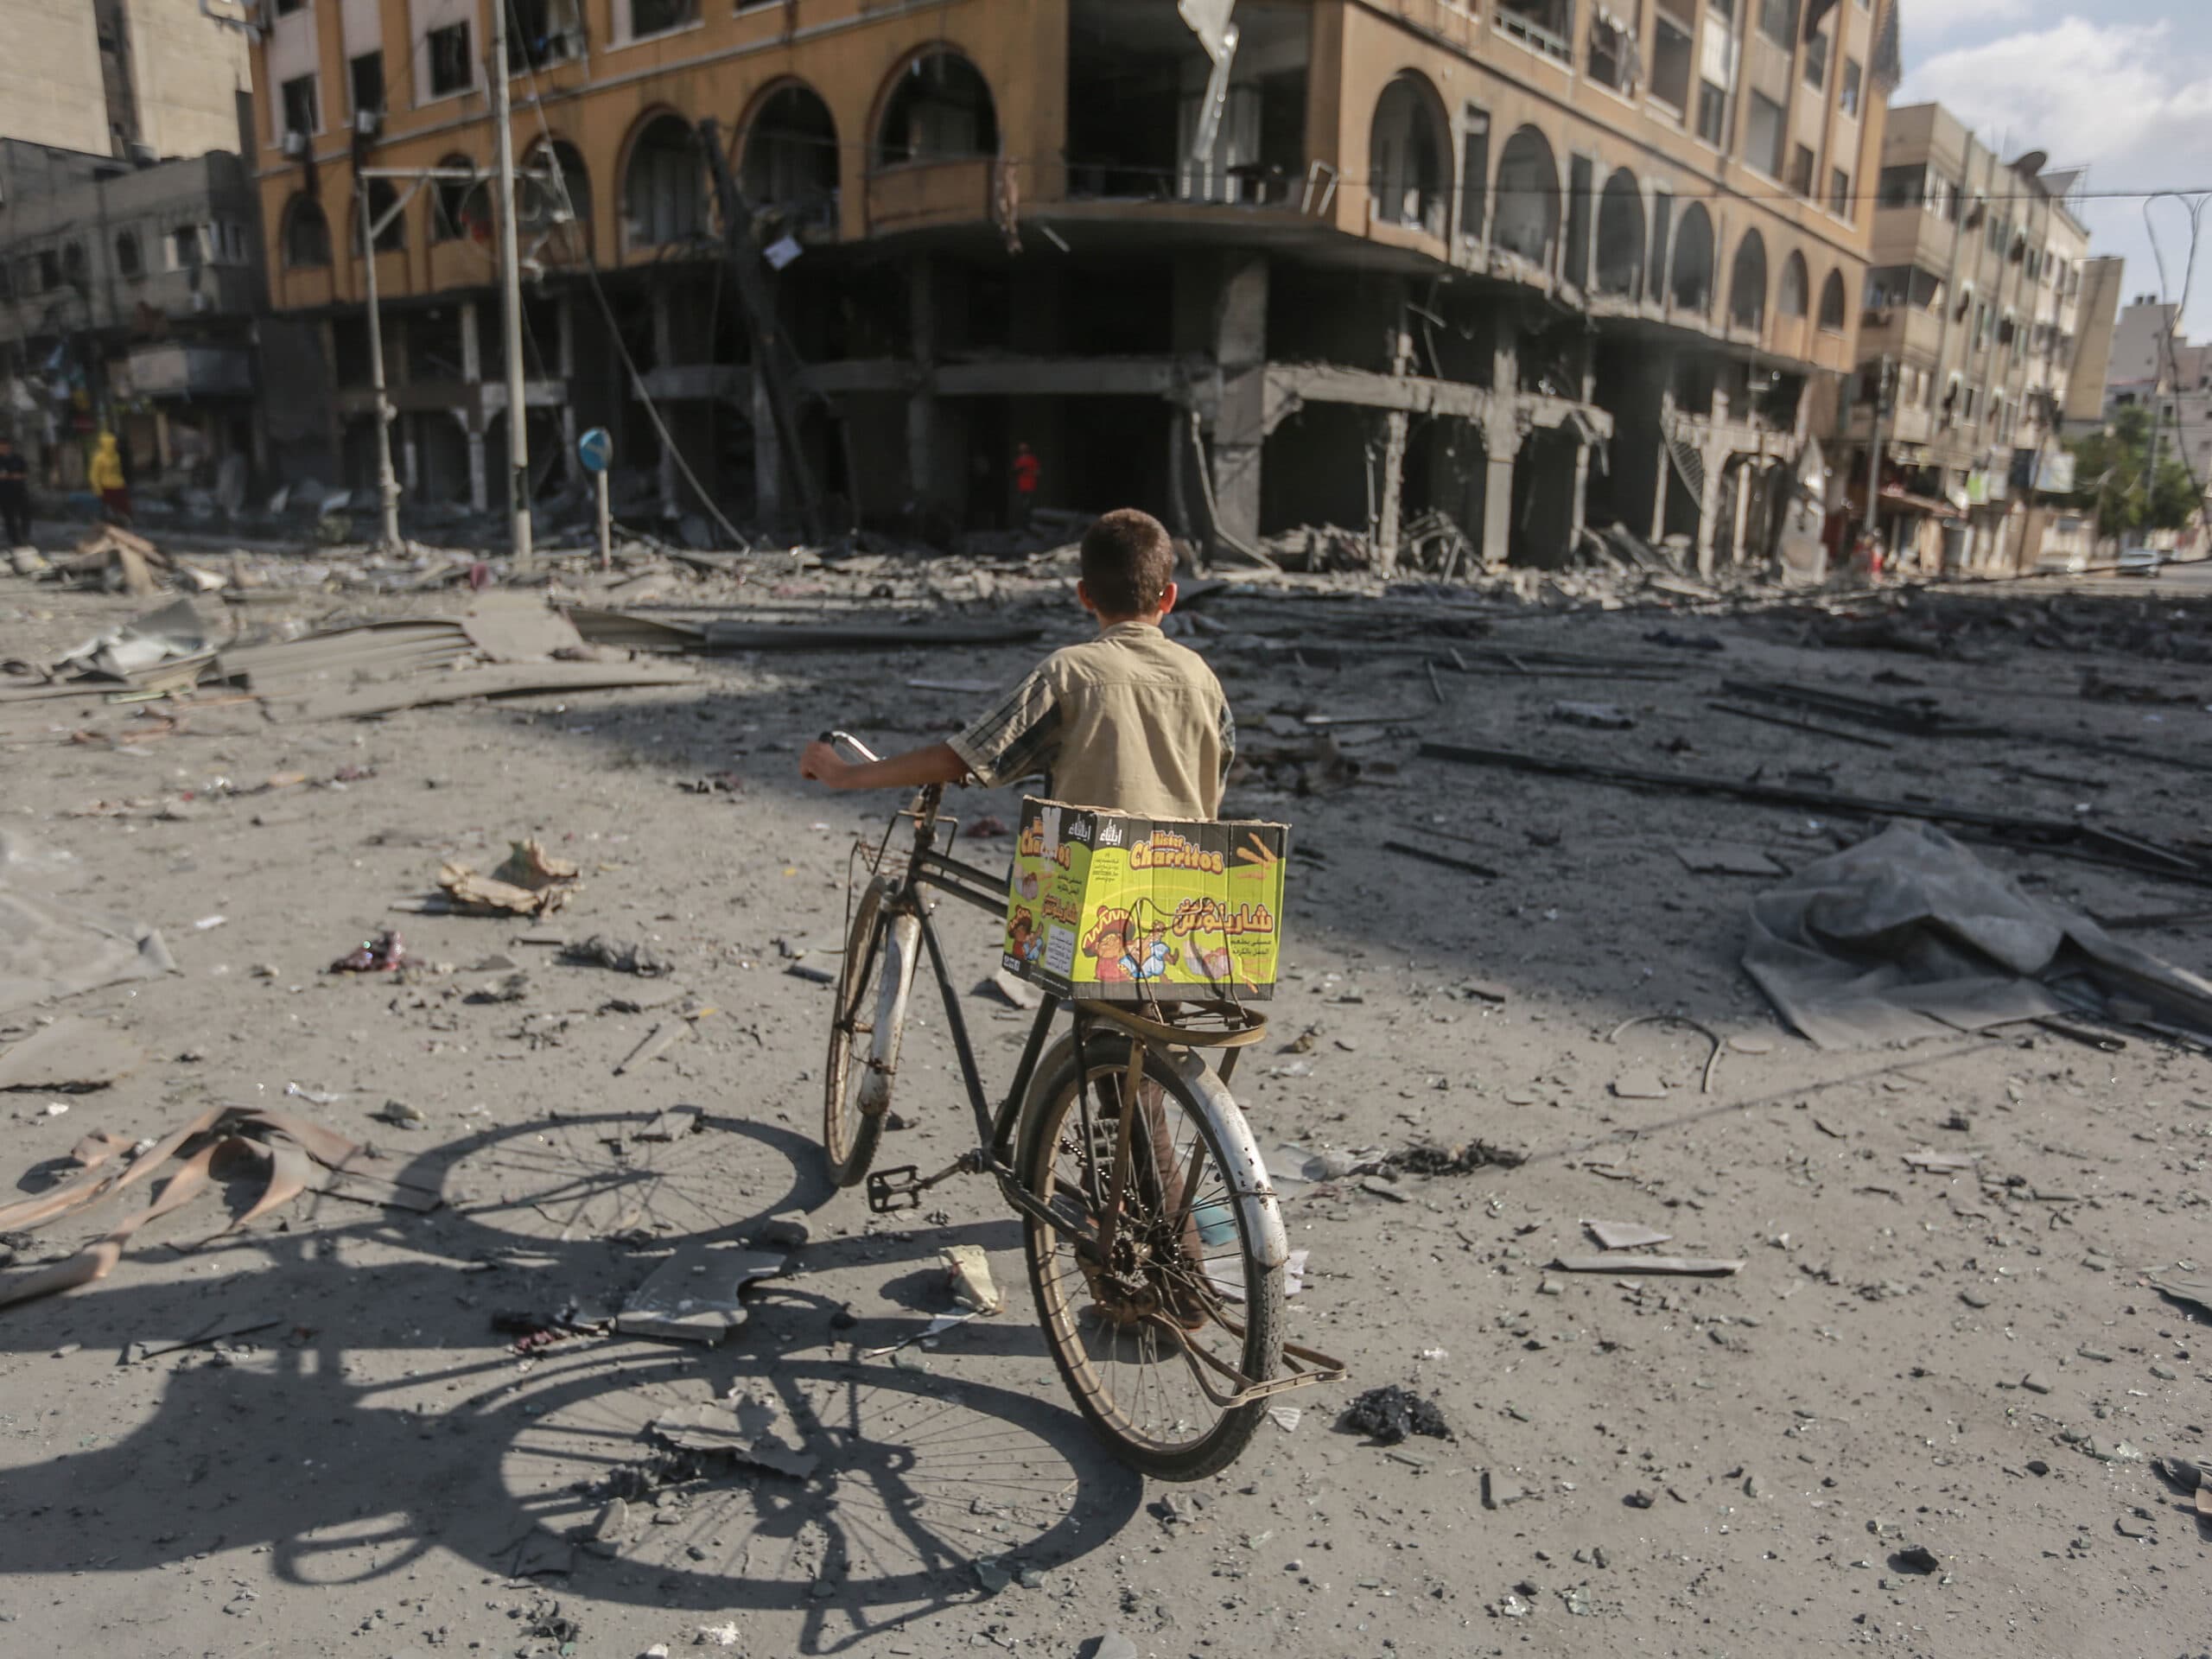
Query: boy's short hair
x,y
1127,561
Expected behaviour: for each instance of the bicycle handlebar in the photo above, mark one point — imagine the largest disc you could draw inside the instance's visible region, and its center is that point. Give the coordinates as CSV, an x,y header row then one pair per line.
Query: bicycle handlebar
x,y
851,743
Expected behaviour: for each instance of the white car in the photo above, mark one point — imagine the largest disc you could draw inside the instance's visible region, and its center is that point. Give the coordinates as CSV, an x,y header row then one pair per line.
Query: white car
x,y
2139,562
2056,563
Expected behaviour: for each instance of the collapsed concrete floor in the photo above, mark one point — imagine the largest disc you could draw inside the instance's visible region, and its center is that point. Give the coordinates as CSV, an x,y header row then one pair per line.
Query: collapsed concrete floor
x,y
1642,1466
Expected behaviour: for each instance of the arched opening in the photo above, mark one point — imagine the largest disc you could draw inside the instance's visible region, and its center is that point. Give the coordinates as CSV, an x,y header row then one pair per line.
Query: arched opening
x,y
1527,198
1747,283
307,235
1831,304
1794,297
1690,286
664,187
938,110
1408,156
383,197
568,188
452,204
129,264
790,155
1620,235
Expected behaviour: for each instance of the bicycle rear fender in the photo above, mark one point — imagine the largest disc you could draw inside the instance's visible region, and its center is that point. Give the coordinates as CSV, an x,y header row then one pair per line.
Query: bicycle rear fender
x,y
1247,1173
901,947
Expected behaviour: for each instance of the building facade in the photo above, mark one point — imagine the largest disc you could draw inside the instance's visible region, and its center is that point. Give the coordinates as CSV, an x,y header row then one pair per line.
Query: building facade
x,y
1528,264
137,80
1970,334
2154,366
128,300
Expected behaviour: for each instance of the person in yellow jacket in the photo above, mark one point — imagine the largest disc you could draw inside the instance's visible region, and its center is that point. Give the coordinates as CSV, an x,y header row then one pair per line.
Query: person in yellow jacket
x,y
106,476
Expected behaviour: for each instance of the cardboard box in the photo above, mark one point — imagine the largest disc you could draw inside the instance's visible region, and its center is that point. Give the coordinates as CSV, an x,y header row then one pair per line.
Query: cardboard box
x,y
1104,905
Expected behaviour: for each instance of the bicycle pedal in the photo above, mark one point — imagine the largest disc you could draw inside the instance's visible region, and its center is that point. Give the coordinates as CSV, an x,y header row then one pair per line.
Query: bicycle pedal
x,y
891,1190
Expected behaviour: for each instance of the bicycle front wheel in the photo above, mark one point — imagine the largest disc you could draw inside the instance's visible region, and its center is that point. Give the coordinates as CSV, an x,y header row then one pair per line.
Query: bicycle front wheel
x,y
1161,1334
873,984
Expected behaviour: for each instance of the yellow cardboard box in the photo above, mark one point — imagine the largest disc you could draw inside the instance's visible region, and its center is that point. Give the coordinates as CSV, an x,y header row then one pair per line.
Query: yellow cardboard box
x,y
1108,907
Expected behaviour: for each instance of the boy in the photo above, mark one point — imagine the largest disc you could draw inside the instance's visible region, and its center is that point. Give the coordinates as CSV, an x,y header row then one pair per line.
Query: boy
x,y
1130,721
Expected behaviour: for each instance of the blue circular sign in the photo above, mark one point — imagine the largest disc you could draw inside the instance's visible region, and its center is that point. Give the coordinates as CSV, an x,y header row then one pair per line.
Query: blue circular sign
x,y
595,449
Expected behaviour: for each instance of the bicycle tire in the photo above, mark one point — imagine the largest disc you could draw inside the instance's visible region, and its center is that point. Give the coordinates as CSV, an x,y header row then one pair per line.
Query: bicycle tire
x,y
877,974
1204,1102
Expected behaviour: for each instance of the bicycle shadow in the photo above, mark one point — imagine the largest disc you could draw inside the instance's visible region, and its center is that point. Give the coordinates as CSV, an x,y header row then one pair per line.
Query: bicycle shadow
x,y
378,1418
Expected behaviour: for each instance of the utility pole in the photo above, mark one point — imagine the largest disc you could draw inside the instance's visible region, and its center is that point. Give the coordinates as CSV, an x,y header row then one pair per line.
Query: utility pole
x,y
503,203
387,486
1874,441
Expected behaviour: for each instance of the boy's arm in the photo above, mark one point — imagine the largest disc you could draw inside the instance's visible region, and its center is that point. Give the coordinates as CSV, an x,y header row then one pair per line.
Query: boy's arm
x,y
936,764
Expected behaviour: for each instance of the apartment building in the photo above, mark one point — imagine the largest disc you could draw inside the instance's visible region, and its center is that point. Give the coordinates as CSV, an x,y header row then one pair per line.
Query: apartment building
x,y
1252,263
1972,328
132,79
2153,365
128,300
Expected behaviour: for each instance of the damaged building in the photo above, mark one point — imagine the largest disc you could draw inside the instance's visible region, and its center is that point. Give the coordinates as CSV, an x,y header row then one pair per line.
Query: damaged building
x,y
1520,266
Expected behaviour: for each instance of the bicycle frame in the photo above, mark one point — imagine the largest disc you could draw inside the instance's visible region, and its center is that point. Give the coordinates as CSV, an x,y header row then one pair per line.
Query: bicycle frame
x,y
931,870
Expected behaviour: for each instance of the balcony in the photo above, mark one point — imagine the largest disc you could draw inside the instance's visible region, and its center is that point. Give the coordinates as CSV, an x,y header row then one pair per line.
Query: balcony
x,y
174,369
914,195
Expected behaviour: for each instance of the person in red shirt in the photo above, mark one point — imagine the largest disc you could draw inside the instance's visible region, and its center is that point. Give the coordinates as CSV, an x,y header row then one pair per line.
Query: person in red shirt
x,y
1027,467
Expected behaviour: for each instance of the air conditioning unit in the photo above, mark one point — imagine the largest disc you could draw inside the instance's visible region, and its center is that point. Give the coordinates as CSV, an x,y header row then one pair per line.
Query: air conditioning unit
x,y
368,123
295,145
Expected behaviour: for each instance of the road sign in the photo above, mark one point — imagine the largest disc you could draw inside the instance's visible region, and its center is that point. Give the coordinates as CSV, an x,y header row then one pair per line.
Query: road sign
x,y
595,449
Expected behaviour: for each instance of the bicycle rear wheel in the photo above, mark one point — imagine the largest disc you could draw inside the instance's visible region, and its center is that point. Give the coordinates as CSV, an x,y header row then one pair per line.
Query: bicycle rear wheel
x,y
865,1027
1158,1344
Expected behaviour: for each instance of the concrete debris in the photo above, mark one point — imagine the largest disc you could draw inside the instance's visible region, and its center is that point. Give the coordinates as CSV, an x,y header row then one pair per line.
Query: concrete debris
x,y
1697,1267
530,882
623,955
694,1296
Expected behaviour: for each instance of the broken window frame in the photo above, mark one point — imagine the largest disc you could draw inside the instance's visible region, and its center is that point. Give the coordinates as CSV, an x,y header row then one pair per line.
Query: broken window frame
x,y
1853,77
543,33
366,66
1712,103
1544,26
315,255
1609,57
649,19
1802,166
448,70
1671,46
302,107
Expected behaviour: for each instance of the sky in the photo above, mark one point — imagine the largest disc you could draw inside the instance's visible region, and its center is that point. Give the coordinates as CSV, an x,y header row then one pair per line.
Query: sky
x,y
2124,85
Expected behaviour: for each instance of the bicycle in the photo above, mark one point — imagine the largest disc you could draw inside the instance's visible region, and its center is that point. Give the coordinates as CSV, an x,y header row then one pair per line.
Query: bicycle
x,y
1151,1234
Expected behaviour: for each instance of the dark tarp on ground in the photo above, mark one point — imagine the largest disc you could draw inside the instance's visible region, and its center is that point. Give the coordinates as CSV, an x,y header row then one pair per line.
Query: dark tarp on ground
x,y
1908,934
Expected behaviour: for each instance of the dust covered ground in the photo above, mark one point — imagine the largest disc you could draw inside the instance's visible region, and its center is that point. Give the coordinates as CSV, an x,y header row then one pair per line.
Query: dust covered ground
x,y
1743,1465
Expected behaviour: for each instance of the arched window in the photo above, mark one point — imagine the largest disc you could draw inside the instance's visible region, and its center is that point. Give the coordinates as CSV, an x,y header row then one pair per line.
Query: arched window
x,y
307,236
1747,283
382,198
664,187
1691,285
939,110
129,264
1795,298
1831,304
1527,198
1620,235
570,186
790,155
1408,160
452,201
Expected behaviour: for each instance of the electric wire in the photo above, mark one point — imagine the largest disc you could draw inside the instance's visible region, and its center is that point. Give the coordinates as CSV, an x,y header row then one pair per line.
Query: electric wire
x,y
581,243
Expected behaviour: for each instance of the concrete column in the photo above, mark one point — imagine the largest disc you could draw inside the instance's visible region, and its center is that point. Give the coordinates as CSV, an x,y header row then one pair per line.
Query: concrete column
x,y
1240,350
1501,443
663,323
1666,469
472,344
479,496
1708,509
565,316
1396,425
1740,530
1577,508
410,463
921,403
767,457
572,465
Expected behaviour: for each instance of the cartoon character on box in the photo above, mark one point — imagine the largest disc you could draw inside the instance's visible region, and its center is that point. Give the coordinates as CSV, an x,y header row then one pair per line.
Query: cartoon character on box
x,y
1023,941
1126,955
1216,964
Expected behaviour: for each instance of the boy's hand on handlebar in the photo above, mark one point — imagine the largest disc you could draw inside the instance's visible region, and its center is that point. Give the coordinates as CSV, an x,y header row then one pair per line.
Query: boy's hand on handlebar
x,y
821,762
